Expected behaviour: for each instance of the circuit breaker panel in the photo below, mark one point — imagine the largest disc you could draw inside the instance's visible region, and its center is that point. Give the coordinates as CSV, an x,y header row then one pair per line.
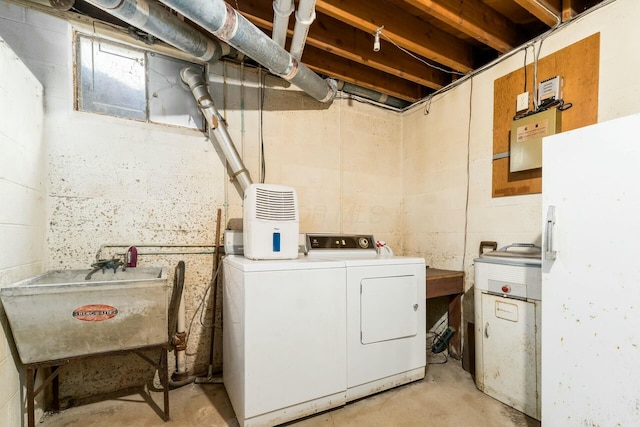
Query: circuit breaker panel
x,y
526,138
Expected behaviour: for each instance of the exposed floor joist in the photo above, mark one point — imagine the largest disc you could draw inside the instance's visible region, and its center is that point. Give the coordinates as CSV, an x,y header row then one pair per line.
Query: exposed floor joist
x,y
547,12
475,19
349,43
404,29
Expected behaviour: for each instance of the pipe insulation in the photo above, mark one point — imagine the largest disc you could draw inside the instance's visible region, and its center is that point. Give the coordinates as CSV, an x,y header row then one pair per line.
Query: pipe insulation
x,y
194,79
151,17
305,15
227,24
282,9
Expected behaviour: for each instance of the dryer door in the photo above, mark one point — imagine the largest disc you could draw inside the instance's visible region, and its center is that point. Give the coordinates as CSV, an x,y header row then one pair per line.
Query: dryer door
x,y
388,308
385,330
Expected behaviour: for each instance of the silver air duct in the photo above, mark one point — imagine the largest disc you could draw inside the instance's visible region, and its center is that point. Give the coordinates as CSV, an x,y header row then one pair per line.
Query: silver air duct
x,y
151,17
195,81
228,25
373,95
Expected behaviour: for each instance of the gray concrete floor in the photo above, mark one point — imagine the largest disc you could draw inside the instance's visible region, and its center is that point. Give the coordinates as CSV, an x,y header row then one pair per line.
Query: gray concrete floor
x,y
446,397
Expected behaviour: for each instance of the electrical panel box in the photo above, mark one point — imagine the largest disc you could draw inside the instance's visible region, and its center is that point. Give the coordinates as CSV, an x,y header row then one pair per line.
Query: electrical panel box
x,y
526,138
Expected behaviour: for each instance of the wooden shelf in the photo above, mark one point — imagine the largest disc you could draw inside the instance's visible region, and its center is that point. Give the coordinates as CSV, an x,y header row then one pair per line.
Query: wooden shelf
x,y
441,283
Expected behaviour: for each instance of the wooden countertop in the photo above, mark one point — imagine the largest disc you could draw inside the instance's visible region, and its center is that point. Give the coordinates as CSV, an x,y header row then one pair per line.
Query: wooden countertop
x,y
444,282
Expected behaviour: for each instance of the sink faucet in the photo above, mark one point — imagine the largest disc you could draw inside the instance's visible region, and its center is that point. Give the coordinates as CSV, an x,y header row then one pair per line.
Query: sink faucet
x,y
103,265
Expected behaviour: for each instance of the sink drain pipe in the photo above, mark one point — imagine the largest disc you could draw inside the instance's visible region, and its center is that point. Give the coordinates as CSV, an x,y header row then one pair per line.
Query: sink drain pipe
x,y
177,331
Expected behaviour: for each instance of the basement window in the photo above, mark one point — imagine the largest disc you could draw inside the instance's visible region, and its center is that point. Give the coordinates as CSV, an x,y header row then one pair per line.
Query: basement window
x,y
123,81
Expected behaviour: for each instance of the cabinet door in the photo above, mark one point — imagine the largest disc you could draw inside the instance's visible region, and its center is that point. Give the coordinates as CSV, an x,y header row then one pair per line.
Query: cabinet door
x,y
509,352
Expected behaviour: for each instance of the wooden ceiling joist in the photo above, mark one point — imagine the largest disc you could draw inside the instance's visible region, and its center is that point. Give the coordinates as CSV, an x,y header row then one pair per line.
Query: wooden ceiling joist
x,y
475,19
546,11
571,8
404,29
361,75
347,42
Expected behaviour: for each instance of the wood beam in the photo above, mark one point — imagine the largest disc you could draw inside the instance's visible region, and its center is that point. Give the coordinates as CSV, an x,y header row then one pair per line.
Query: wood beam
x,y
361,75
571,8
547,12
347,42
473,18
357,46
406,30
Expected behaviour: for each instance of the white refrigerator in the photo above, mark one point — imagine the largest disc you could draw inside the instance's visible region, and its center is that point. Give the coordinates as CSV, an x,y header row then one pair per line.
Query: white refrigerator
x,y
591,276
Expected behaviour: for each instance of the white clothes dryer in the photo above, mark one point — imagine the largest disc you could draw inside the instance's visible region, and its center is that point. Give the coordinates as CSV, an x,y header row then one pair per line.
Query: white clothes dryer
x,y
386,313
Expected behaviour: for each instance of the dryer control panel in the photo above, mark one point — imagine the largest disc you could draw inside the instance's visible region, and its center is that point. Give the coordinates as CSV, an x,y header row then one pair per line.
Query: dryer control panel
x,y
340,241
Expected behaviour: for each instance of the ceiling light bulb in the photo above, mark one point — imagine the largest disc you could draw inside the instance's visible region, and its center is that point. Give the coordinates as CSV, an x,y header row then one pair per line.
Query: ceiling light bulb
x,y
376,40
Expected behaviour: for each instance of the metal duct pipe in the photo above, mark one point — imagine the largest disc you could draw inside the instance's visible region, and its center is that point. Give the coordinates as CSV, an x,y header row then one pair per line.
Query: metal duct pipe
x,y
154,19
305,15
195,81
228,25
373,95
282,9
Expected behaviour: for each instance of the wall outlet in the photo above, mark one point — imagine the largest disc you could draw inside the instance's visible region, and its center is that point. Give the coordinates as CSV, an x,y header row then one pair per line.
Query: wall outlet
x,y
522,103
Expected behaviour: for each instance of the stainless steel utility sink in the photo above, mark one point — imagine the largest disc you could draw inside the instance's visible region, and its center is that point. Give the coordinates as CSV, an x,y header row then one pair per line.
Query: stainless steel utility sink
x,y
59,314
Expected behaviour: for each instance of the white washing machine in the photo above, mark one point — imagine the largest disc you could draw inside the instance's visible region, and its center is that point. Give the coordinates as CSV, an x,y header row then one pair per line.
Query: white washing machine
x,y
284,338
385,300
507,303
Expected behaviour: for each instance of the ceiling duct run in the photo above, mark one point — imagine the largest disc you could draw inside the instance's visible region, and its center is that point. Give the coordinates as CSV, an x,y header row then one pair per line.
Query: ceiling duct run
x,y
152,18
227,24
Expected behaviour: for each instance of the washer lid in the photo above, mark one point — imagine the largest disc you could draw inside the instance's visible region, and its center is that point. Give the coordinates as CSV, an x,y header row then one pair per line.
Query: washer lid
x,y
526,253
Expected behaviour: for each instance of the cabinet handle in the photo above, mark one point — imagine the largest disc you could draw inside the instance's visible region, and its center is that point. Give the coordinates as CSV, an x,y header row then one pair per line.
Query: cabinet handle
x,y
549,253
486,330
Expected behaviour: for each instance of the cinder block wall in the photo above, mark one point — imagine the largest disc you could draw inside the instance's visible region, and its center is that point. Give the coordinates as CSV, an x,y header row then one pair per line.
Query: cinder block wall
x,y
22,206
118,180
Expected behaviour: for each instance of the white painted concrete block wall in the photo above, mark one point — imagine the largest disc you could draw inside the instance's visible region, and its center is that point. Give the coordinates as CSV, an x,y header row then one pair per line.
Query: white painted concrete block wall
x,y
117,180
22,205
435,148
344,160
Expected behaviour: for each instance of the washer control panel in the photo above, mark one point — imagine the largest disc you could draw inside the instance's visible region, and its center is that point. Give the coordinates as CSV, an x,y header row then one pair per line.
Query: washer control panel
x,y
508,289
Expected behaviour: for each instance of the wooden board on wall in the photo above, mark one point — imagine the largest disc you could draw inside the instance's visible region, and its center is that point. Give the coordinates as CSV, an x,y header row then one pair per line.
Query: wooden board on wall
x,y
578,65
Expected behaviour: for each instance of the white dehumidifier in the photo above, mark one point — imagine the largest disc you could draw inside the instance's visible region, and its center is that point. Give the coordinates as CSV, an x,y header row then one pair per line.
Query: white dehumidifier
x,y
270,222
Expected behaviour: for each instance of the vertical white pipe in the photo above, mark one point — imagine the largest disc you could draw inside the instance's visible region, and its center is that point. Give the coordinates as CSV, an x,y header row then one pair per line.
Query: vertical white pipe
x,y
282,9
181,357
305,15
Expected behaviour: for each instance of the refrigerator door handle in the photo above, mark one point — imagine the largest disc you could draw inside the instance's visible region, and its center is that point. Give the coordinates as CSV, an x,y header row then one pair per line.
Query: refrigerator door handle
x,y
549,253
486,330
